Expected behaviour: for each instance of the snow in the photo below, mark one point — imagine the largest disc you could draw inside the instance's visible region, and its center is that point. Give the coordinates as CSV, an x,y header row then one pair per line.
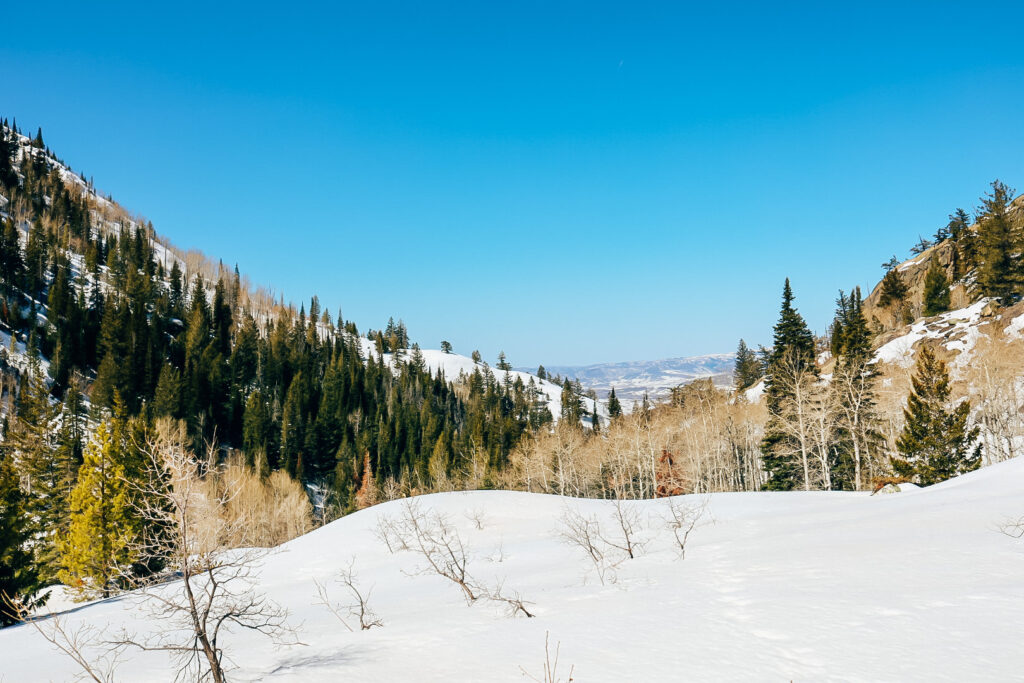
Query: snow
x,y
1016,327
962,323
454,365
775,586
754,393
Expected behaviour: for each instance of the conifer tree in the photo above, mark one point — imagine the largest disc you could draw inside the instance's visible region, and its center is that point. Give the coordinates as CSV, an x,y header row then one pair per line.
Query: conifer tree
x,y
572,404
446,347
894,295
32,439
936,290
1000,273
96,548
936,443
747,369
965,248
793,352
614,406
19,575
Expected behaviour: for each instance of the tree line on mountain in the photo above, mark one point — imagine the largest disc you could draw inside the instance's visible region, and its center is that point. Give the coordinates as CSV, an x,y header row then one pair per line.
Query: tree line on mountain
x,y
114,327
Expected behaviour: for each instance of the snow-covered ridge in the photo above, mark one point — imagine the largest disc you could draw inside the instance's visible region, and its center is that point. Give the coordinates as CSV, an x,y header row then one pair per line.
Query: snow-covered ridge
x,y
455,366
632,379
822,586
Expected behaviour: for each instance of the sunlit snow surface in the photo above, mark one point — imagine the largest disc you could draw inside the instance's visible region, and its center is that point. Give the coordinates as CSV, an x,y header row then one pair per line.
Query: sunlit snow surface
x,y
918,585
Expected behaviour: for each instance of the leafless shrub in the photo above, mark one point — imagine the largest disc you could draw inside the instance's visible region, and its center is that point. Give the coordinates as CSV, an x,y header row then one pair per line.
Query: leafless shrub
x,y
213,589
513,602
359,608
682,519
499,553
478,516
549,670
437,542
85,644
434,539
584,533
386,532
1014,528
630,525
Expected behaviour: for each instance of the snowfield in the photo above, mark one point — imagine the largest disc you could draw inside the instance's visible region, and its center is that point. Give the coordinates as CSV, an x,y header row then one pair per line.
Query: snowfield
x,y
917,585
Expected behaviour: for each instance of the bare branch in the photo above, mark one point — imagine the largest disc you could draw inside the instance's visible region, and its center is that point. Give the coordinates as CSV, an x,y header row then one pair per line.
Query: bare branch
x,y
682,520
549,670
359,608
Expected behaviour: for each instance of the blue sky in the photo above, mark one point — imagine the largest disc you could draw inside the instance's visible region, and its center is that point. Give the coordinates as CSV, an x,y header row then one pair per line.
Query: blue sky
x,y
567,182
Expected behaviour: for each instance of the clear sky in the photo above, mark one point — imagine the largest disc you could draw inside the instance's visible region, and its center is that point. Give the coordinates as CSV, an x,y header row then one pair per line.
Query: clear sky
x,y
569,182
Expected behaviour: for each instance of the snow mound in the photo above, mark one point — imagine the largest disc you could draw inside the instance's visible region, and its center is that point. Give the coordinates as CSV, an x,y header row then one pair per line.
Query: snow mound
x,y
806,586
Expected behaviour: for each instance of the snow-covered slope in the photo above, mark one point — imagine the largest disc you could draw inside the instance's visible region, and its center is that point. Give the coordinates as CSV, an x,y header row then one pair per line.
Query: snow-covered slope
x,y
656,377
821,586
454,365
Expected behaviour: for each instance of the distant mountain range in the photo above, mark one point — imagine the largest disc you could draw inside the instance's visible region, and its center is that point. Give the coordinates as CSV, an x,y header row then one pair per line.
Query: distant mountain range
x,y
656,377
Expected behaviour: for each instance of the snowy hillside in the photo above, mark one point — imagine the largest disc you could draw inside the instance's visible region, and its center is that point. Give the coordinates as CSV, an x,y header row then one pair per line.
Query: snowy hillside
x,y
656,377
454,365
917,585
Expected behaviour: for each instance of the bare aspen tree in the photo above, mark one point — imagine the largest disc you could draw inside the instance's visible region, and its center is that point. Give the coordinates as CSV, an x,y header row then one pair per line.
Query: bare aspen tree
x,y
213,588
997,395
855,414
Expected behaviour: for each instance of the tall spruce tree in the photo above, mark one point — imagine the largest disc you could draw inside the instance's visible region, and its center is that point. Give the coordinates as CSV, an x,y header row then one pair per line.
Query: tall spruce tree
x,y
793,351
936,443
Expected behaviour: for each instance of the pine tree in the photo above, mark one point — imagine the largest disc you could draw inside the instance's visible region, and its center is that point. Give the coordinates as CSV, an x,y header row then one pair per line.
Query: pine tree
x,y
935,443
793,352
572,404
936,290
965,247
96,548
1000,274
446,347
747,369
19,575
894,295
33,443
614,407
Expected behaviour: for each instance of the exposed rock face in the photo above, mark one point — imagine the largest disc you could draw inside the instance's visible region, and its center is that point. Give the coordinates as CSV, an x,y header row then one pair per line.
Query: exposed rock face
x,y
914,271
